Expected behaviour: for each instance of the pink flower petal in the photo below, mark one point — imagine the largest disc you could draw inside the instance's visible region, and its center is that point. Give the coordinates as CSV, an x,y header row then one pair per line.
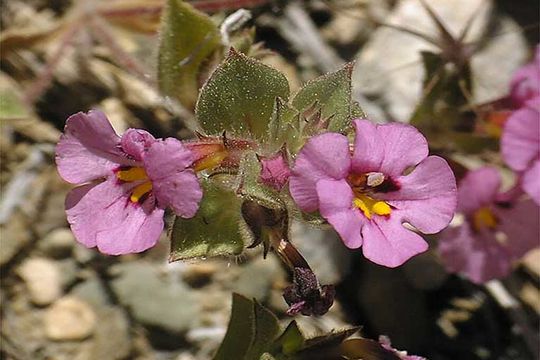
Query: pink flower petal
x,y
335,201
136,231
525,83
102,215
388,243
325,156
521,225
173,184
389,148
531,181
520,142
275,171
427,196
136,142
479,188
479,256
89,148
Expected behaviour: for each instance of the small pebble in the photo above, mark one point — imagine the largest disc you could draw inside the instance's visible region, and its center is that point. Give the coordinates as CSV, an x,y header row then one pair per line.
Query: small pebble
x,y
58,243
69,319
43,280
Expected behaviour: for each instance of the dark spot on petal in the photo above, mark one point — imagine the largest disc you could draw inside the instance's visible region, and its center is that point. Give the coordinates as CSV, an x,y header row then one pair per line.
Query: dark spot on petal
x,y
388,185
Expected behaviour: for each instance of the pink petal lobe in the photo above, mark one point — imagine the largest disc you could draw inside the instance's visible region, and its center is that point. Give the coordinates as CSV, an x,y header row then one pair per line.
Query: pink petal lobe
x,y
325,156
102,215
136,142
136,230
388,148
173,183
479,256
531,181
427,196
521,225
525,83
88,149
520,142
479,188
275,171
335,200
388,243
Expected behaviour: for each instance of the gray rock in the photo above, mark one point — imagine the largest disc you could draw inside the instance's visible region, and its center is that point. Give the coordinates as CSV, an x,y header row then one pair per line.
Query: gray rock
x,y
15,235
92,291
83,254
69,318
154,299
68,271
42,278
256,277
111,338
21,328
389,65
323,250
58,243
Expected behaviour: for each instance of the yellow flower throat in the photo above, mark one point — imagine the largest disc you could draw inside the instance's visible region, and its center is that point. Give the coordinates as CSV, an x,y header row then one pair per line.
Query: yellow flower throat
x,y
370,206
136,174
362,184
484,218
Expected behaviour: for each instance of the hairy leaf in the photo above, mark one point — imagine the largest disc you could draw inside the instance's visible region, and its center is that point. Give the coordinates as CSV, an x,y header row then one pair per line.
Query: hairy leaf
x,y
239,97
332,92
188,38
213,231
252,329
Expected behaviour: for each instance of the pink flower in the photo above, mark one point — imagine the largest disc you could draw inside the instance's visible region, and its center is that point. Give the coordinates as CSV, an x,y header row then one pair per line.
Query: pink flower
x,y
126,183
402,355
275,171
525,83
368,195
497,229
520,146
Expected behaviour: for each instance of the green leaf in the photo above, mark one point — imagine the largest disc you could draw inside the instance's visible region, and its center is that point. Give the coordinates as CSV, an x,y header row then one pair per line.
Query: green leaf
x,y
291,341
188,37
11,106
239,97
332,92
357,112
252,329
213,231
284,127
266,330
240,331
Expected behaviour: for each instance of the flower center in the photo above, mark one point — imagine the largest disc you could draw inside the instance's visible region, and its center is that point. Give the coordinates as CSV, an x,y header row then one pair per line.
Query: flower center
x,y
363,186
370,206
136,174
484,218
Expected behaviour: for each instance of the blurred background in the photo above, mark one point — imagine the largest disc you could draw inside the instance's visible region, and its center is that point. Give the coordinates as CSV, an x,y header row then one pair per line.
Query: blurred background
x,y
60,300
